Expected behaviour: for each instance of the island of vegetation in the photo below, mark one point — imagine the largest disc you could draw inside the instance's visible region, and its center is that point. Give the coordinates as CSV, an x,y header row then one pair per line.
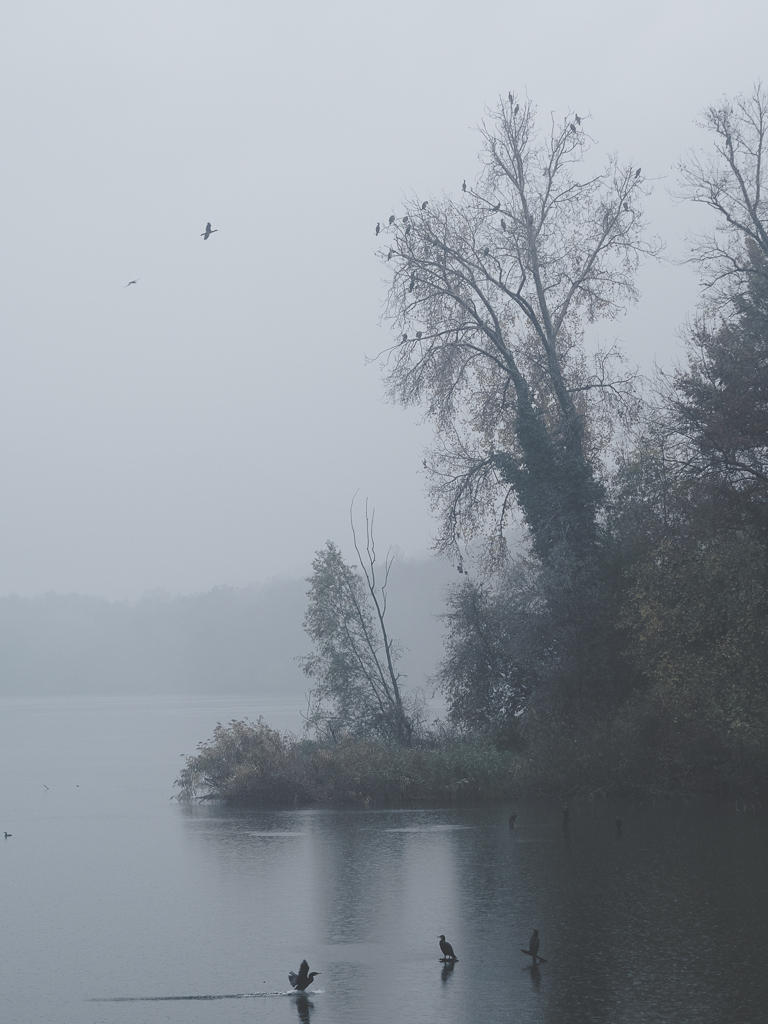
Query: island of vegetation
x,y
622,646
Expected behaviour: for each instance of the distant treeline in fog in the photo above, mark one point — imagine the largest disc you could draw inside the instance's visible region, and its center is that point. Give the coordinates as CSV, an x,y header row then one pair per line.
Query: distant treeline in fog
x,y
227,640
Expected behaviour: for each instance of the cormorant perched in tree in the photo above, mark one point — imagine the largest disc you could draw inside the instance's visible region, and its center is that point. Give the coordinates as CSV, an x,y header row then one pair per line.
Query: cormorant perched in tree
x,y
497,207
464,185
637,172
425,204
303,979
573,128
503,224
390,254
626,207
208,232
378,228
446,949
517,107
534,944
578,119
392,219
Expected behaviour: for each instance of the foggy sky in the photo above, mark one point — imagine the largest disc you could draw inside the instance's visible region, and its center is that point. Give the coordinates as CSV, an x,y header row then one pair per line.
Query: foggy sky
x,y
211,424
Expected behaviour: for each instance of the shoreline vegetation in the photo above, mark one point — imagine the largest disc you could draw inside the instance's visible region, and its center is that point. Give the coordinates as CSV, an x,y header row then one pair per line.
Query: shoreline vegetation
x,y
250,763
622,646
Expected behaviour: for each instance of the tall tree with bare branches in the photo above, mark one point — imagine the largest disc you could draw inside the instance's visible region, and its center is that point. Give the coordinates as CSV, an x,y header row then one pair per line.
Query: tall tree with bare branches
x,y
490,294
358,687
730,180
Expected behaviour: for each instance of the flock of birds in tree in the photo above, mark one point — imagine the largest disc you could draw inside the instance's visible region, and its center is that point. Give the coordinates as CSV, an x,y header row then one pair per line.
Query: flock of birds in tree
x,y
205,235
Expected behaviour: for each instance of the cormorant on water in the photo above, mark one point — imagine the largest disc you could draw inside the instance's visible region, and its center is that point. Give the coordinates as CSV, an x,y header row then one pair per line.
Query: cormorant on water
x,y
533,951
619,825
303,979
207,233
446,949
513,819
566,813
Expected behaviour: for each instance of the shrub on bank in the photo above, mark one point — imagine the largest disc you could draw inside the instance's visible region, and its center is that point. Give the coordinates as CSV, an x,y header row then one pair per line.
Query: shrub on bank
x,y
249,762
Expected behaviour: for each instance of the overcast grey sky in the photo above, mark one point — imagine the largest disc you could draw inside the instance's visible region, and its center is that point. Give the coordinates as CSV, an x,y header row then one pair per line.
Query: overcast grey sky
x,y
210,424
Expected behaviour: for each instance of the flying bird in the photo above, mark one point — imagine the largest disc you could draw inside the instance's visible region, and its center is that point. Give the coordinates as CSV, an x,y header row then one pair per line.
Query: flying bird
x,y
446,949
205,235
8,835
303,979
133,282
378,228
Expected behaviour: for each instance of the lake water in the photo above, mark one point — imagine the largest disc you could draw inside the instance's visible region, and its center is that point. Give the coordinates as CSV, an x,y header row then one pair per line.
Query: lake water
x,y
120,906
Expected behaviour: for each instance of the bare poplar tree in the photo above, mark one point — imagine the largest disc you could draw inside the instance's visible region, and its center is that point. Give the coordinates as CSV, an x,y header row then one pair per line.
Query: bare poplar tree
x,y
358,687
489,297
729,180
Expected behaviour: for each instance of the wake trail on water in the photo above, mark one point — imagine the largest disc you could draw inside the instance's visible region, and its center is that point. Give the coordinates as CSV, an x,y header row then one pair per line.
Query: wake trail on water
x,y
171,999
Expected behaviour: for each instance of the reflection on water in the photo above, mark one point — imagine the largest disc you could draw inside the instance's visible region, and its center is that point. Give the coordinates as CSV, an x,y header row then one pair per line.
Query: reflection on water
x,y
120,906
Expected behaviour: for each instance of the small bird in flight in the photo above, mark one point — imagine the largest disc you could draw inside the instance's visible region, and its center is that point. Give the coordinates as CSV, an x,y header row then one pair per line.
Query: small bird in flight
x,y
205,235
303,979
446,949
8,835
133,282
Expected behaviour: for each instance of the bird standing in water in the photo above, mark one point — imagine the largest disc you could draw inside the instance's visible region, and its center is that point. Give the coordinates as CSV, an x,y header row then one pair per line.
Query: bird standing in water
x,y
534,944
446,949
303,979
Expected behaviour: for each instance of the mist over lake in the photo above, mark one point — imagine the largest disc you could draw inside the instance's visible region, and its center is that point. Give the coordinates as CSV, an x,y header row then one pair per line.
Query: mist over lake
x,y
111,892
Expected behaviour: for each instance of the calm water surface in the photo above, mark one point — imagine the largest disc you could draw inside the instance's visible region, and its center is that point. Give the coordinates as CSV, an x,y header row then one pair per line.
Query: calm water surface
x,y
116,901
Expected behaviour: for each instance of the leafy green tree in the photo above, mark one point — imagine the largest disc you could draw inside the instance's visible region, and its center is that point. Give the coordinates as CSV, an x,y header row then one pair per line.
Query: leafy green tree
x,y
358,688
